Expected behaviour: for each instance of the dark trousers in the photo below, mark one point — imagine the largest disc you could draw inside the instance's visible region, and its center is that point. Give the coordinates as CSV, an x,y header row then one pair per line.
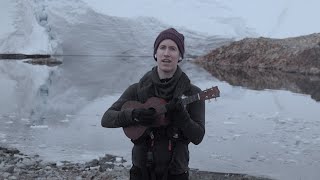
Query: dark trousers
x,y
137,174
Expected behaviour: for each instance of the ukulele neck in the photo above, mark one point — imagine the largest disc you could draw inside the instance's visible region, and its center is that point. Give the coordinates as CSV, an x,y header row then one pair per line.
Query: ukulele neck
x,y
190,99
185,101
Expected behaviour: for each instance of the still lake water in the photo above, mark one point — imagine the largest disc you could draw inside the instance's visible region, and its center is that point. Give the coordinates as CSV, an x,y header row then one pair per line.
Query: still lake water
x,y
264,123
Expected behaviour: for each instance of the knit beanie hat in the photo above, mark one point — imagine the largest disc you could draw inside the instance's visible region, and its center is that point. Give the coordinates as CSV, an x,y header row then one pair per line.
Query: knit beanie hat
x,y
172,34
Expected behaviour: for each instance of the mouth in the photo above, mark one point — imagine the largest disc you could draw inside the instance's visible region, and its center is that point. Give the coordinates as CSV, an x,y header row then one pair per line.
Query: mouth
x,y
166,61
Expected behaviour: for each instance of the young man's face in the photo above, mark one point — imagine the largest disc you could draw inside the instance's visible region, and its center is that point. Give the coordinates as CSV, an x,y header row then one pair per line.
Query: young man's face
x,y
167,56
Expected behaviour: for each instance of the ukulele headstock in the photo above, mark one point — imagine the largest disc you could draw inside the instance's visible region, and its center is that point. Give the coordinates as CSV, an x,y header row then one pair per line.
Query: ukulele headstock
x,y
210,93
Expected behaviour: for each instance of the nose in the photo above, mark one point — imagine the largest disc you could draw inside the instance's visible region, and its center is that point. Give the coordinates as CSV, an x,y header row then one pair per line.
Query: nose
x,y
166,52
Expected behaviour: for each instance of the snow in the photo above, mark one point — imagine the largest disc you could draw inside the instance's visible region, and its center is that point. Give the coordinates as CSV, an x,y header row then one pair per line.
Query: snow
x,y
7,18
202,16
277,19
25,35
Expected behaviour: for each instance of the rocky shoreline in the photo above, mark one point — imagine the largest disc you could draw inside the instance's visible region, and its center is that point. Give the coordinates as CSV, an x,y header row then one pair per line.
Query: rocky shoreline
x,y
16,165
292,55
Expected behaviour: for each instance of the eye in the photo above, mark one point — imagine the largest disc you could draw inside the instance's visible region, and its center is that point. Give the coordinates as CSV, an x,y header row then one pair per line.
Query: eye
x,y
172,48
162,47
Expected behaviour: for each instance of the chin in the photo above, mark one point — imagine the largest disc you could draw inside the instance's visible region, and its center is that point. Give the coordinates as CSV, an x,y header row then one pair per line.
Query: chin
x,y
166,69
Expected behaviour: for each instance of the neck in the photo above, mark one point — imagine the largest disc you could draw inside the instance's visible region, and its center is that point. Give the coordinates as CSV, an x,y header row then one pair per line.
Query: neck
x,y
164,75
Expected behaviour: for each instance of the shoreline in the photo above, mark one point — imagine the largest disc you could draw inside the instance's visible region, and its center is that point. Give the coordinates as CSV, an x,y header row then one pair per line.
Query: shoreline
x,y
16,165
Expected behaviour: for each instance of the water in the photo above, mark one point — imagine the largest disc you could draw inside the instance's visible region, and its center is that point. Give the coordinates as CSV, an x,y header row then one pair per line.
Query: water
x,y
264,123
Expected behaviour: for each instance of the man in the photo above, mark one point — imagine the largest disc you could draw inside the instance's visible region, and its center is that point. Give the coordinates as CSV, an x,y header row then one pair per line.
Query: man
x,y
162,152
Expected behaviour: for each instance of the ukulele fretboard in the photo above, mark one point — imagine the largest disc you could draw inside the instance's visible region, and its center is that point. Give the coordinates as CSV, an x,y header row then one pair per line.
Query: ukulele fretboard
x,y
190,99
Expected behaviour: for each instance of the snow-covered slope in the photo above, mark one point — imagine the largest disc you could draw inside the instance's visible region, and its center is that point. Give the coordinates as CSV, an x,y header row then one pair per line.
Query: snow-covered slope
x,y
208,17
236,18
23,32
73,28
7,14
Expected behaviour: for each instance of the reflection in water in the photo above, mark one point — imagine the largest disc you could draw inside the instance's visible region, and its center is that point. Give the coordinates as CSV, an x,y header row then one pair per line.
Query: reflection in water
x,y
268,79
81,80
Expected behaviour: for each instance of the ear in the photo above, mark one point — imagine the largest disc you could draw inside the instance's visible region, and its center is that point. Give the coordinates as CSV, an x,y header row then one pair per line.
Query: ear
x,y
180,59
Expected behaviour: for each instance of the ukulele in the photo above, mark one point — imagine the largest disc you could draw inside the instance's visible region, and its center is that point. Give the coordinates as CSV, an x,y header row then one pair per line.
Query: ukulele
x,y
134,132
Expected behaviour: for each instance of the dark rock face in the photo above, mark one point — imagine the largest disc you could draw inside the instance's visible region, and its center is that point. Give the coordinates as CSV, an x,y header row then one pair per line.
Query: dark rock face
x,y
295,55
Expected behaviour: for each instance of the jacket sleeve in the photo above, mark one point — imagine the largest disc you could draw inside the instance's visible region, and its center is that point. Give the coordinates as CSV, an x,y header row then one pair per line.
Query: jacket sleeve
x,y
194,129
114,117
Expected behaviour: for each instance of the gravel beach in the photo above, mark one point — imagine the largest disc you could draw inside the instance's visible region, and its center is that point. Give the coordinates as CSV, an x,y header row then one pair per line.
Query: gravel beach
x,y
16,165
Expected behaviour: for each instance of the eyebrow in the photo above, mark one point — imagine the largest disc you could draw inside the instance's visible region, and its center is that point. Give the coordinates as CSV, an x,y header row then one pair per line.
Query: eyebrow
x,y
168,46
